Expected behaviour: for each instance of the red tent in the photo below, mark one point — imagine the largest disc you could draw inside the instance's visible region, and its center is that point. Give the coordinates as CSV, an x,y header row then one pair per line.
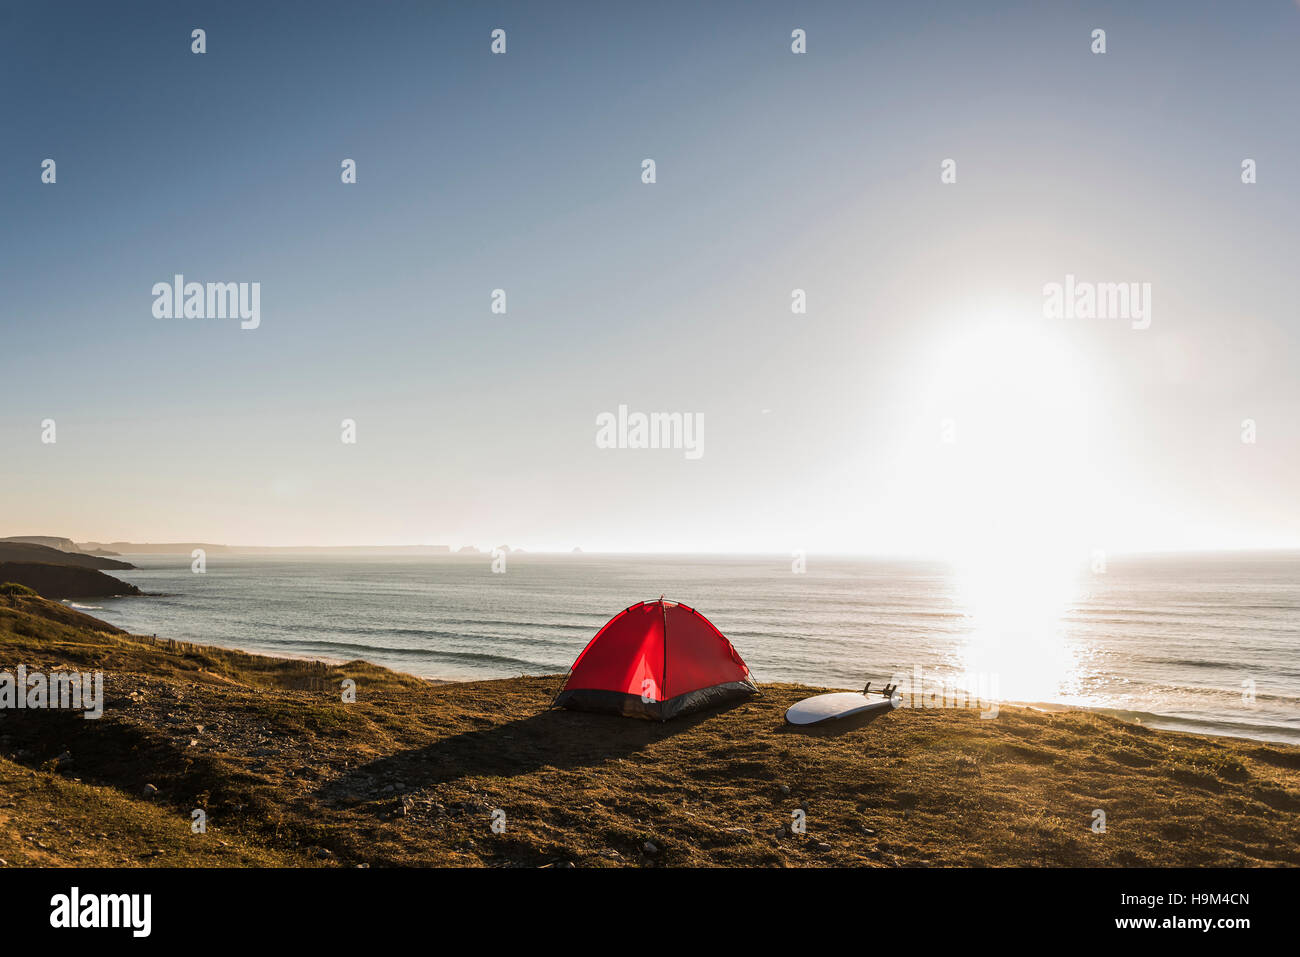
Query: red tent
x,y
656,660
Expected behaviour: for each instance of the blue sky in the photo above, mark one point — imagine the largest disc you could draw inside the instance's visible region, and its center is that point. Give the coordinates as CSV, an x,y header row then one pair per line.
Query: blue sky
x,y
522,171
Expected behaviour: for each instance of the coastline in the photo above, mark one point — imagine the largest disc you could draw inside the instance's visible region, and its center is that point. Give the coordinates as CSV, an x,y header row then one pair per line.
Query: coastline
x,y
1141,718
415,773
1136,647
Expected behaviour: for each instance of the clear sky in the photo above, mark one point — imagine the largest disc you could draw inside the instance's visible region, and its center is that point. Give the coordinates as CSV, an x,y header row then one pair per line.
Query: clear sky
x,y
775,171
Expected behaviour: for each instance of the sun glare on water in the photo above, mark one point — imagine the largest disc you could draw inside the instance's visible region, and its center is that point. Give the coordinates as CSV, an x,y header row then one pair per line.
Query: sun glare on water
x,y
1019,496
1015,608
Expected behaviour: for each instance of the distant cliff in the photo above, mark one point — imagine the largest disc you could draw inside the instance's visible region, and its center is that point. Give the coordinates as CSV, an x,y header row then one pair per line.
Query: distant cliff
x,y
64,581
49,541
151,548
12,550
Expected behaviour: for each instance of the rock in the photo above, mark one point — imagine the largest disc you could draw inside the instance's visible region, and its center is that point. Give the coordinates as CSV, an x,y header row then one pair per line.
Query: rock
x,y
149,791
650,848
783,788
821,846
742,831
198,728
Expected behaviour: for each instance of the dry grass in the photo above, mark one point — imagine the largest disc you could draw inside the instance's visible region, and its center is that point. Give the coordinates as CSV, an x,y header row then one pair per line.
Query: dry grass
x,y
411,774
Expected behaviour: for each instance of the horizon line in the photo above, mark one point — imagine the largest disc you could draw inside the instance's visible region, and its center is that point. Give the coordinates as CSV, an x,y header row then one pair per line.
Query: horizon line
x,y
454,549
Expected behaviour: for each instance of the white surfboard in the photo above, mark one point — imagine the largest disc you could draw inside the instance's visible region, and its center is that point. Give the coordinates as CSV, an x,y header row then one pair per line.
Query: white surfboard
x,y
837,704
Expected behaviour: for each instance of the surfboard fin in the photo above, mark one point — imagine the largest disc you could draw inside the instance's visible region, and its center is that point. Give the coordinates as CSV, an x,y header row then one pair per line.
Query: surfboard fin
x,y
887,691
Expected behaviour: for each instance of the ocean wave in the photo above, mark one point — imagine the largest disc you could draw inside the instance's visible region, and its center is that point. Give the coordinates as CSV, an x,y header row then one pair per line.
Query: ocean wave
x,y
342,648
398,631
1256,730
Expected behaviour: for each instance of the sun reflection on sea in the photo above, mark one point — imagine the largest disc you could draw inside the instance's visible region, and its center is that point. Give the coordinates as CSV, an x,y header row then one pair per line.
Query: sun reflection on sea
x,y
1016,607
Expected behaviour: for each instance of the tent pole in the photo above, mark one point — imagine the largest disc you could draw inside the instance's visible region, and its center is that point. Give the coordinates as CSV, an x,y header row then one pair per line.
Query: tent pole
x,y
565,681
663,609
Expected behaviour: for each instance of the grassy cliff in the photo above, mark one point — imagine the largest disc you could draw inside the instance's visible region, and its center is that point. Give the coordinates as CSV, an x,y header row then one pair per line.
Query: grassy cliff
x,y
64,581
412,773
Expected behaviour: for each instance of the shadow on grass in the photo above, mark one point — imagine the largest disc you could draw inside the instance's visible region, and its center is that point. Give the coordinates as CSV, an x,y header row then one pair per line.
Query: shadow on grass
x,y
835,726
552,739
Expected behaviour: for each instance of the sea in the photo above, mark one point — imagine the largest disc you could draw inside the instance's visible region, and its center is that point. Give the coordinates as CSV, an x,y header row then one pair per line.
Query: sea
x,y
1206,643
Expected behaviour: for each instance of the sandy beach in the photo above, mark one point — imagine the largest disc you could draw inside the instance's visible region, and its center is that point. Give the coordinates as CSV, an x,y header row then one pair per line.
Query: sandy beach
x,y
483,774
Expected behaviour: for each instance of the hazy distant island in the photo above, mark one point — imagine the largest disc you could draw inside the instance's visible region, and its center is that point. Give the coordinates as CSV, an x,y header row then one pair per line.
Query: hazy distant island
x,y
149,548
